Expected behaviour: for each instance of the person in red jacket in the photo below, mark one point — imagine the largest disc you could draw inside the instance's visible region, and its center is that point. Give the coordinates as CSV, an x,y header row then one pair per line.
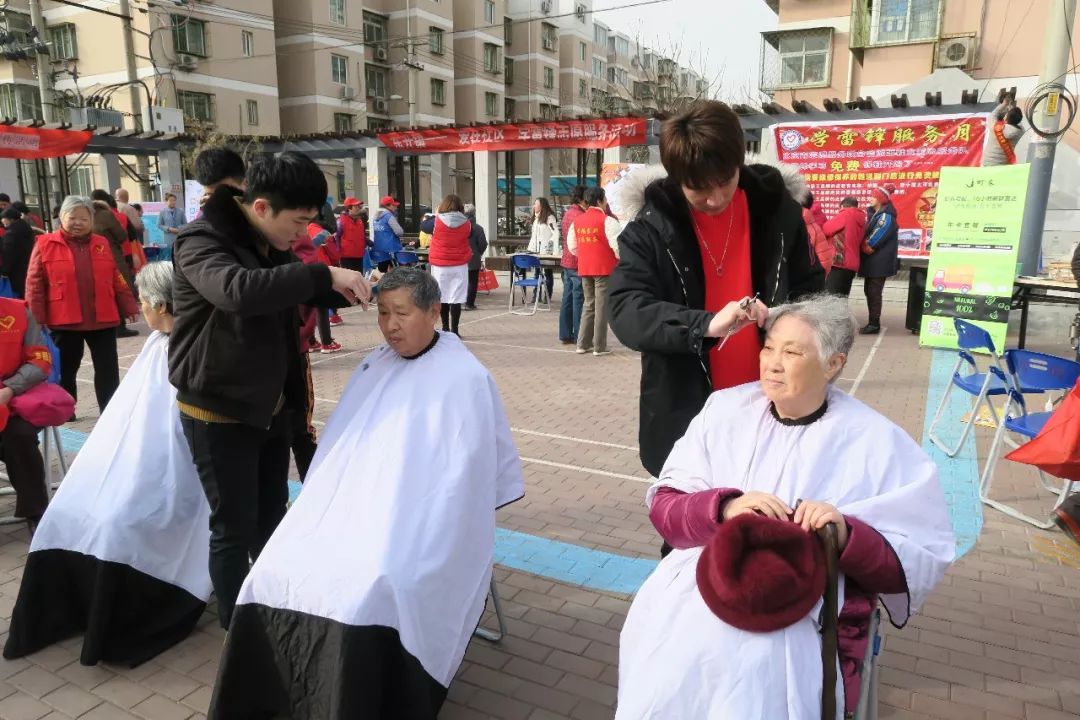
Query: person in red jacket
x,y
814,218
845,231
449,257
592,239
352,236
75,288
312,249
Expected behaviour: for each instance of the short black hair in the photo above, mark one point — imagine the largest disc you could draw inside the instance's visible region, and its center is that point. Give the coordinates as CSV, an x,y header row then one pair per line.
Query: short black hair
x,y
577,194
1014,116
4,197
103,196
849,202
216,164
594,196
809,201
21,207
288,181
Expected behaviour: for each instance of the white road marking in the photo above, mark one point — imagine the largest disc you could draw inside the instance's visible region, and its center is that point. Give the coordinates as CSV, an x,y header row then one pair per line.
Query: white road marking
x,y
866,363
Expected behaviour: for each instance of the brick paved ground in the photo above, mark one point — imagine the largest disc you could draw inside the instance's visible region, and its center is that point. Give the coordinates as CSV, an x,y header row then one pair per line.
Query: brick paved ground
x,y
999,639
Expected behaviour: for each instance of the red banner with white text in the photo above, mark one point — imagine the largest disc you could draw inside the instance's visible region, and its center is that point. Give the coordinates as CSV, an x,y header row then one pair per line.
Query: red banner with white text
x,y
25,143
586,134
845,159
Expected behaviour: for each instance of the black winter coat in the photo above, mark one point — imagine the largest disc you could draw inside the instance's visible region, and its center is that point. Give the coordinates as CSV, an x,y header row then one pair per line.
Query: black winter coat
x,y
478,245
235,348
15,249
885,260
658,295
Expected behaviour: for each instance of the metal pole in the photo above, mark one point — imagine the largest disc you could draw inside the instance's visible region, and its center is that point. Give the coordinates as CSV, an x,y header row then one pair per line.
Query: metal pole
x,y
1041,152
412,65
142,164
48,103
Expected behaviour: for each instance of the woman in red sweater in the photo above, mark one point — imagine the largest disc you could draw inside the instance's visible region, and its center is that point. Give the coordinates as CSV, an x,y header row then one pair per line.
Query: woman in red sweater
x,y
449,258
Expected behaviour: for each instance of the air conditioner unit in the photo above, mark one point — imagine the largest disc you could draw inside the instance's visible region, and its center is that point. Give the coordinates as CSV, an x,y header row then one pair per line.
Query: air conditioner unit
x,y
348,93
955,52
545,7
381,54
187,62
378,105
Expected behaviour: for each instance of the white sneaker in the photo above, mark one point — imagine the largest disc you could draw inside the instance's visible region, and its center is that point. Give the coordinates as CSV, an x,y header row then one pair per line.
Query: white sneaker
x,y
581,351
600,353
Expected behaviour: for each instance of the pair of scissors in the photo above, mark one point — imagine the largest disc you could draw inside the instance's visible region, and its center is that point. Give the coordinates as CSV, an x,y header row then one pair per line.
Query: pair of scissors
x,y
744,305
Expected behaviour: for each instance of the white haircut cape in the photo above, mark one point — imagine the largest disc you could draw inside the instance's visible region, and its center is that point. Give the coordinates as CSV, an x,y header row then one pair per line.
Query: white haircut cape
x,y
395,525
676,658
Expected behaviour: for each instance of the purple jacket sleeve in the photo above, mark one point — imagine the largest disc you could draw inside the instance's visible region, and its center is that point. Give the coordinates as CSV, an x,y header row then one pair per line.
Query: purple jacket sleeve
x,y
688,520
869,560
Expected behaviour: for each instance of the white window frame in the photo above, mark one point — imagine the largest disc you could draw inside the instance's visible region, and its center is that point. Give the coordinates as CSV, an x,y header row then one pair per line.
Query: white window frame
x,y
491,58
598,68
549,37
489,12
375,28
438,92
186,99
339,63
373,89
337,12
81,180
247,42
252,112
828,52
341,127
64,39
549,77
491,104
183,29
436,40
583,51
876,24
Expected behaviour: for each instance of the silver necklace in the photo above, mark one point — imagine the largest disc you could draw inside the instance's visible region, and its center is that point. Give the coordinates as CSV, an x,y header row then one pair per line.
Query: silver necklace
x,y
717,266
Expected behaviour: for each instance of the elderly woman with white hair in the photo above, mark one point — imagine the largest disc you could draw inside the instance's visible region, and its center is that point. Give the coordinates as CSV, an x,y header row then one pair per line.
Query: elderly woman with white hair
x,y
728,624
75,289
121,554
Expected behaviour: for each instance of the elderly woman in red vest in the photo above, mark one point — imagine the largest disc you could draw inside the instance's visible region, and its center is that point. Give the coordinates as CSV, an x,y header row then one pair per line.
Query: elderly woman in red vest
x,y
74,288
449,256
592,239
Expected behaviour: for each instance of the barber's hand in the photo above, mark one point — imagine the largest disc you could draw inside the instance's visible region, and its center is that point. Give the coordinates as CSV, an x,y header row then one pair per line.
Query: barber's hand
x,y
6,394
761,503
351,285
732,317
813,516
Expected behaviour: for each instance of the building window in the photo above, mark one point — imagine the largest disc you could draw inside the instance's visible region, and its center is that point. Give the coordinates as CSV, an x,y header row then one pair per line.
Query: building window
x,y
803,57
376,81
18,25
580,11
582,88
81,181
600,35
491,104
189,35
548,35
21,102
598,68
253,112
63,42
374,28
491,58
343,122
438,92
622,78
549,77
489,12
548,112
377,124
508,70
622,47
511,109
900,21
435,41
582,49
337,12
196,105
339,69
247,40
508,31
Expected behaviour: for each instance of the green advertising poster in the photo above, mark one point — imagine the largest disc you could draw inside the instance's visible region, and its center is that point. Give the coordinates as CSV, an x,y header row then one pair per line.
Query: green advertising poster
x,y
973,256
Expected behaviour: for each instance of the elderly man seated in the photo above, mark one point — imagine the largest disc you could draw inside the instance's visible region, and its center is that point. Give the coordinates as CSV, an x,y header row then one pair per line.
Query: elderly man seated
x,y
363,601
782,457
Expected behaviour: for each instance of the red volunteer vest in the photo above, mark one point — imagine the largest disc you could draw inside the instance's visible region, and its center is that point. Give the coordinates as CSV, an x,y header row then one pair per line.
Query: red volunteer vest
x,y
595,256
353,237
64,307
13,325
450,246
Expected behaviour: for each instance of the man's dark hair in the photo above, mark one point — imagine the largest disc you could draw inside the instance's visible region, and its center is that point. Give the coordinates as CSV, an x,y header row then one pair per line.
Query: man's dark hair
x,y
216,164
4,197
577,194
168,195
594,196
103,196
288,181
1014,116
704,146
21,207
849,202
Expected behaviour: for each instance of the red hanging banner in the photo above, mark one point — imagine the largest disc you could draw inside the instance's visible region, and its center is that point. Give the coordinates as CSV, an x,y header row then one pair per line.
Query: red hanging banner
x,y
586,134
26,143
845,159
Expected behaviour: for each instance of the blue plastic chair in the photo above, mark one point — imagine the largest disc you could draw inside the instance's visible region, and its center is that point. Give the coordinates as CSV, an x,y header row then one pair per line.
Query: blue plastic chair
x,y
404,257
520,265
378,256
1033,372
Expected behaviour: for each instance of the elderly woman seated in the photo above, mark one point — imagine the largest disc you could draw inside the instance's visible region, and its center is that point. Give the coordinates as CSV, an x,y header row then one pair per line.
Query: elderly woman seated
x,y
785,456
122,551
363,601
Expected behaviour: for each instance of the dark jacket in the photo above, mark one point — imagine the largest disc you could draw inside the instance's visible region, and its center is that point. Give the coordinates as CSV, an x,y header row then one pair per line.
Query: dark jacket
x,y
234,349
15,249
658,293
883,234
106,225
478,244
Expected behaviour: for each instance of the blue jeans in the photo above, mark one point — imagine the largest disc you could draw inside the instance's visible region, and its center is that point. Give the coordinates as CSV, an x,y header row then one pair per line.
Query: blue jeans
x,y
573,298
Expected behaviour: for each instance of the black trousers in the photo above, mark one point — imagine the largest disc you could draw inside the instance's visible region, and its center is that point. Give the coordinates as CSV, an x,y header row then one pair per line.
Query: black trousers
x,y
244,473
839,281
102,344
322,322
451,317
874,287
25,467
474,282
356,264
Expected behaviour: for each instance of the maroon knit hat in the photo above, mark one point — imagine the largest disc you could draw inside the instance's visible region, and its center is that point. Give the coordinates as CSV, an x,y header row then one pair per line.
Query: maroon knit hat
x,y
760,574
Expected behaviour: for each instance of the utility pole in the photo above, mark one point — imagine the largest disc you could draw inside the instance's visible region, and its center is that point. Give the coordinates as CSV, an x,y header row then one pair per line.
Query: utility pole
x,y
1047,118
411,63
142,165
48,103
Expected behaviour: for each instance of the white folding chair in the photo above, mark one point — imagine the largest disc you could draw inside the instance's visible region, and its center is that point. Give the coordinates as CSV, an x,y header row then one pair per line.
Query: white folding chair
x,y
51,445
493,635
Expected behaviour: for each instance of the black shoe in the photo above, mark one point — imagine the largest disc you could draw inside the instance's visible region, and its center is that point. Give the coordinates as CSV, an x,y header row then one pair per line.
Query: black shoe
x,y
126,332
870,329
469,307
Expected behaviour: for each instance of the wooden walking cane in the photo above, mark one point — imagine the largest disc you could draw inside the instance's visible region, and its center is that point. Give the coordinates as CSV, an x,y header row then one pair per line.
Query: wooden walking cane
x,y
829,622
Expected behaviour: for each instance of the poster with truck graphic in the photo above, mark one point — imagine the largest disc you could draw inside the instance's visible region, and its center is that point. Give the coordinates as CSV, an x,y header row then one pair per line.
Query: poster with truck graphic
x,y
973,258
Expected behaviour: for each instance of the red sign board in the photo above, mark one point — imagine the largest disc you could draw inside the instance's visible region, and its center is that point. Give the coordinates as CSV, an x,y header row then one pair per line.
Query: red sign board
x,y
586,134
852,158
26,143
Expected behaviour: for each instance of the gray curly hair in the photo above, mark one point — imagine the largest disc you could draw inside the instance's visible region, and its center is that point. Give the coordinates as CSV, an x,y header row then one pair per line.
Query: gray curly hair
x,y
829,316
155,282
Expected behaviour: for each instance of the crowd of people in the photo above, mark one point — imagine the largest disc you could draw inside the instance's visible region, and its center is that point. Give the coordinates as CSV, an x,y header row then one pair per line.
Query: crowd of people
x,y
360,600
